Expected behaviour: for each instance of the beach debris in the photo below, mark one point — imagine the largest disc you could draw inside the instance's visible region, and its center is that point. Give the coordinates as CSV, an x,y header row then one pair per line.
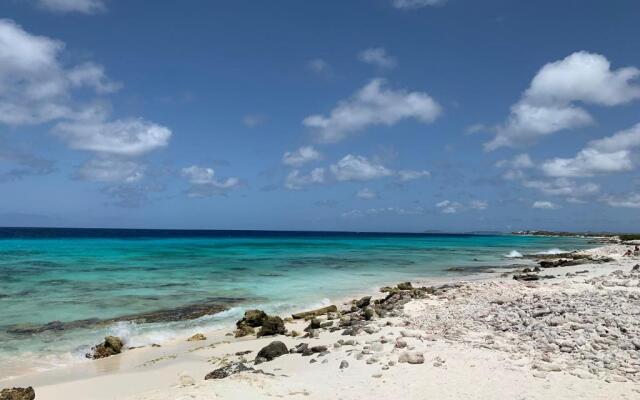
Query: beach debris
x,y
18,394
272,326
271,351
197,337
344,364
112,345
315,313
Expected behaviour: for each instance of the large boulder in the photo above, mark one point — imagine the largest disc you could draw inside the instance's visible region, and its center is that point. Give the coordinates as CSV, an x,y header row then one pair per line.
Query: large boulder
x,y
252,318
18,394
112,345
271,351
244,330
272,326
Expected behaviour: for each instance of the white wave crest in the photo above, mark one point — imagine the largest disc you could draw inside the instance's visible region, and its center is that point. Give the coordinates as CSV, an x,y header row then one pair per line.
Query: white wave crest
x,y
513,254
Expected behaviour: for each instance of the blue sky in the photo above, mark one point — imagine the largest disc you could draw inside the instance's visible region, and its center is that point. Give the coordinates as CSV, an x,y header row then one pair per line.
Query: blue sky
x,y
386,115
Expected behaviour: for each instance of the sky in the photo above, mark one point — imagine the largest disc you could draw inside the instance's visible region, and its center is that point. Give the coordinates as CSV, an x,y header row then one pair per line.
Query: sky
x,y
350,115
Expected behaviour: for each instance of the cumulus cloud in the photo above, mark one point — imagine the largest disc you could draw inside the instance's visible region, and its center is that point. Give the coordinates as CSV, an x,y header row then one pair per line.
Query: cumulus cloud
x,y
301,156
34,85
111,170
414,4
366,193
296,180
544,205
410,175
204,182
378,57
374,104
449,207
130,137
629,200
588,162
358,168
68,6
548,105
604,156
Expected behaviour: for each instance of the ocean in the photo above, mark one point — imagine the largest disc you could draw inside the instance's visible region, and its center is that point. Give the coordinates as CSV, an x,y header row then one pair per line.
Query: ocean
x,y
63,290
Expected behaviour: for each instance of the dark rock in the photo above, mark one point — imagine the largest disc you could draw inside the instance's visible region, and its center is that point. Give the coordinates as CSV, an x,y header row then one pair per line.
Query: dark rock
x,y
344,364
231,369
635,268
18,394
363,302
244,330
315,313
405,286
369,313
272,326
112,345
252,318
272,350
319,349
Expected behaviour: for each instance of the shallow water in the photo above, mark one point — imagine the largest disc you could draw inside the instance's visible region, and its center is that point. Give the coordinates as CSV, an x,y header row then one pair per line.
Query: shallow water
x,y
75,275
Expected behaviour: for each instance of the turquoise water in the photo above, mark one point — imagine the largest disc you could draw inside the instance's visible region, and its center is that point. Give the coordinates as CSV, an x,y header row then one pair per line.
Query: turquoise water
x,y
61,276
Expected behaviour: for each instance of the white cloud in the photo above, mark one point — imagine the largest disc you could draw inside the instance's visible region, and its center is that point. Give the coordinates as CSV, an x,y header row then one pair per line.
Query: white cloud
x,y
453,207
301,156
604,156
562,187
129,137
414,4
111,170
358,168
382,211
544,205
296,180
623,140
378,57
630,200
253,120
366,193
588,162
374,104
204,182
547,106
319,66
478,205
81,6
449,207
34,85
409,175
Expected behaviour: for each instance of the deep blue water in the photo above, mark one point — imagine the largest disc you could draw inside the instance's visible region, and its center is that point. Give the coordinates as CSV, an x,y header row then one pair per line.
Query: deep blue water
x,y
76,274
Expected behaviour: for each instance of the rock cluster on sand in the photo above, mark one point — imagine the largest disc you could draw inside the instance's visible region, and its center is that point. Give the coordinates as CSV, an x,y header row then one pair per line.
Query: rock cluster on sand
x,y
112,345
18,394
269,325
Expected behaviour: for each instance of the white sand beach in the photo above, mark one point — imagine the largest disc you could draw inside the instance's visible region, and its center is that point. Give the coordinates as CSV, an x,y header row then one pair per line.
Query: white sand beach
x,y
575,336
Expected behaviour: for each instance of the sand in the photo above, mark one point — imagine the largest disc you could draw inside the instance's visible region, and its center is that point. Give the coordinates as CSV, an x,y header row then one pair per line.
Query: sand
x,y
472,345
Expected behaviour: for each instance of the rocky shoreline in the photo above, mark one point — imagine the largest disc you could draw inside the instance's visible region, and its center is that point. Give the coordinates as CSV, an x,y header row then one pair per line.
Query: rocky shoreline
x,y
572,320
